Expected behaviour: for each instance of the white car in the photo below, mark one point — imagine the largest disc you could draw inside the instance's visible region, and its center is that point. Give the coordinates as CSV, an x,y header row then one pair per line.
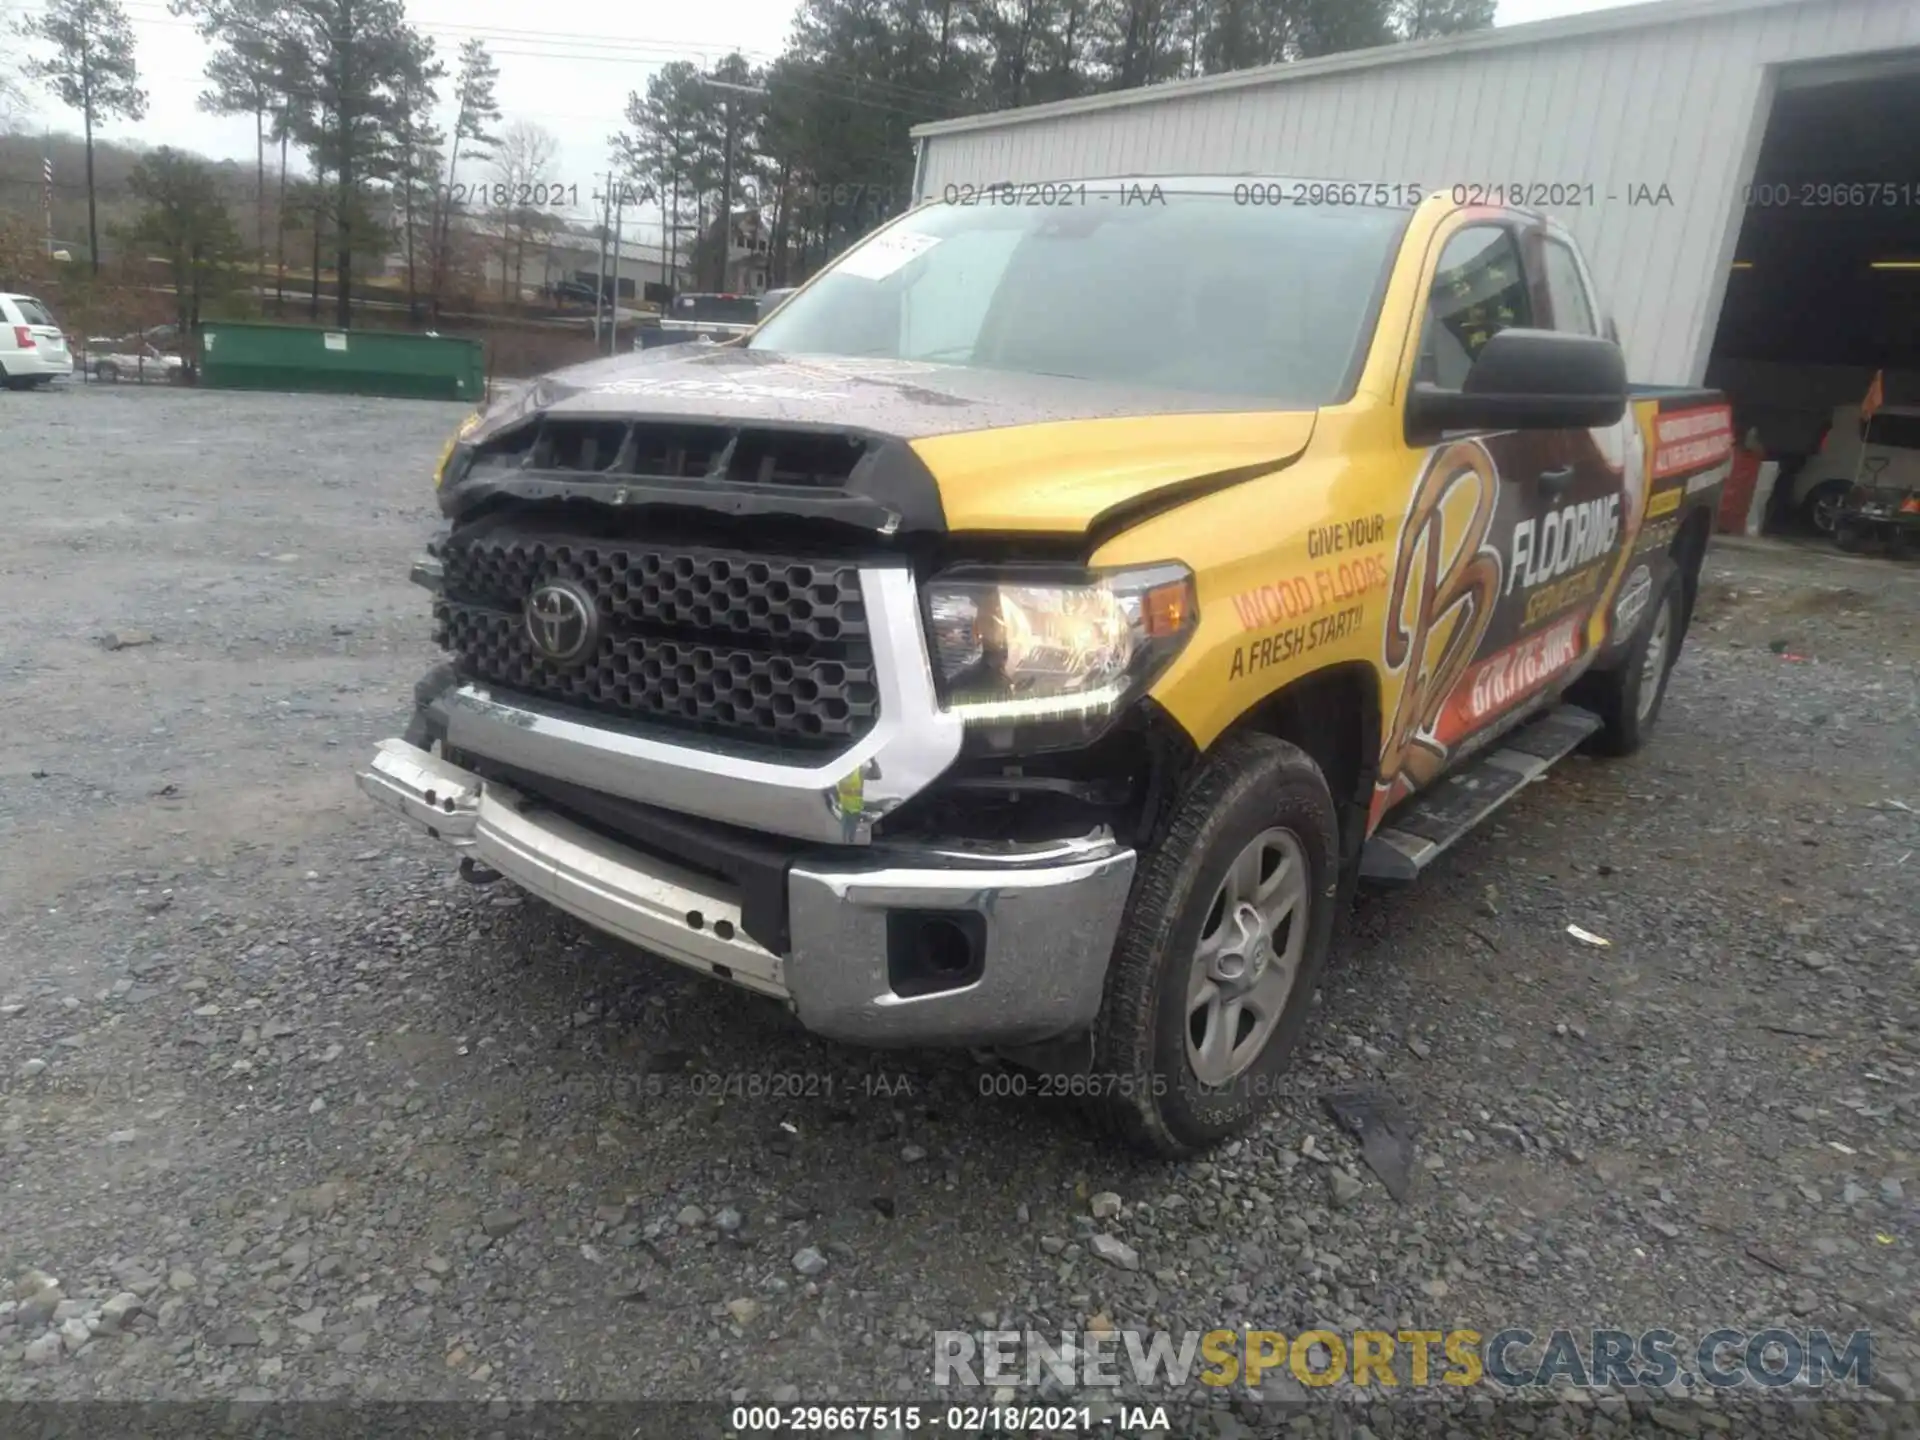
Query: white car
x,y
1888,459
32,349
112,360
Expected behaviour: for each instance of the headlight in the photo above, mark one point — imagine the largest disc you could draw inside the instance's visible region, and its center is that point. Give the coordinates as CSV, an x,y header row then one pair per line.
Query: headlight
x,y
1040,658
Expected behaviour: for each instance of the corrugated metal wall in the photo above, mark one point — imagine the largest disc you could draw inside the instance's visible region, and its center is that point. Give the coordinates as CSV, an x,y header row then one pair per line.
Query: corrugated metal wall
x,y
1675,104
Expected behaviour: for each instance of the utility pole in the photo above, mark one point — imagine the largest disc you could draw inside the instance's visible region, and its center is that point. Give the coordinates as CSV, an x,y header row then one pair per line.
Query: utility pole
x,y
619,188
673,229
600,272
726,201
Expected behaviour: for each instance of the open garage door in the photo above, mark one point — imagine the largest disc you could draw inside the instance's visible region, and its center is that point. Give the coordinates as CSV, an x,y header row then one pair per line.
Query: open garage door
x,y
1825,286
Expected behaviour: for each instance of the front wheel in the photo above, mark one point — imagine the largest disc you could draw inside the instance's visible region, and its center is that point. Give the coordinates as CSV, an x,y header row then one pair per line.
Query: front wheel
x,y
1221,950
1822,506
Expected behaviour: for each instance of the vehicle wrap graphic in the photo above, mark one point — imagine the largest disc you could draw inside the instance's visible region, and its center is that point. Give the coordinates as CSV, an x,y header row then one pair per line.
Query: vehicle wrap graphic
x,y
1632,600
1503,680
1691,439
1446,581
1491,597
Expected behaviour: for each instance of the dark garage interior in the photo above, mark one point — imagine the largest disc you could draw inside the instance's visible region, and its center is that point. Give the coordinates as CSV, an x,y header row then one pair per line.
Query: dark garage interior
x,y
1825,287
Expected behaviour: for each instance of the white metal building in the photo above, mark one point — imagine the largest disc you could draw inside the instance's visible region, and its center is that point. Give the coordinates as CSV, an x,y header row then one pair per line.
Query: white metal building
x,y
1737,109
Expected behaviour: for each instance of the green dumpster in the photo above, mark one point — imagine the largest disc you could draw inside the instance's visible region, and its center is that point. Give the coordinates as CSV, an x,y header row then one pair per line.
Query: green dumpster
x,y
246,355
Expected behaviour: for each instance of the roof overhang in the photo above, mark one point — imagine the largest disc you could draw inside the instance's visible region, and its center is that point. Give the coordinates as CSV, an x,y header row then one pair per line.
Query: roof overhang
x,y
1506,37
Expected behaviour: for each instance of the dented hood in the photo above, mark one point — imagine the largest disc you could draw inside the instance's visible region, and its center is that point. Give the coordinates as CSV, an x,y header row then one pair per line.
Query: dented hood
x,y
1005,451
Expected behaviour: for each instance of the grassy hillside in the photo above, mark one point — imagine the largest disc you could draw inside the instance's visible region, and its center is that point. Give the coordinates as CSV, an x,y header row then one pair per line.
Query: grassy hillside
x,y
22,189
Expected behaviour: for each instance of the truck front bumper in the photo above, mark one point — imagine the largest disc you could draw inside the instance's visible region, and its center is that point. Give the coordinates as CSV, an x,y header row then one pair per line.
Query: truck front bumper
x,y
887,946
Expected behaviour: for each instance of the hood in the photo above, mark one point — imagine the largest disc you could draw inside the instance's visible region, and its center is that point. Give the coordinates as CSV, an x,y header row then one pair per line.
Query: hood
x,y
1005,451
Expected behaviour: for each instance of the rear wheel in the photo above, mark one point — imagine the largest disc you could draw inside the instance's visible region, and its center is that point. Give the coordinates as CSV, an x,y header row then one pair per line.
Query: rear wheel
x,y
1627,698
1220,952
1849,537
1822,506
108,372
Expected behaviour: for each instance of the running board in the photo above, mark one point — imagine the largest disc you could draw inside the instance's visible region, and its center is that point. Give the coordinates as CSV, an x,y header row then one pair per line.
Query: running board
x,y
1426,827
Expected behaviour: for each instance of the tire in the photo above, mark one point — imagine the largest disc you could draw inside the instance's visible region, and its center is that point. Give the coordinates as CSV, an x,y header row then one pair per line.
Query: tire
x,y
1254,797
1627,698
1847,536
108,372
1820,508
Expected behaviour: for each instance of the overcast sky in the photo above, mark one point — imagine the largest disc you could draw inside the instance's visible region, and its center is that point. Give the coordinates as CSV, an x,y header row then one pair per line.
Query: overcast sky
x,y
570,81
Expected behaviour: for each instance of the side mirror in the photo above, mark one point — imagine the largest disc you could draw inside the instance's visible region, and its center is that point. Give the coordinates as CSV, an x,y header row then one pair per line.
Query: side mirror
x,y
1529,380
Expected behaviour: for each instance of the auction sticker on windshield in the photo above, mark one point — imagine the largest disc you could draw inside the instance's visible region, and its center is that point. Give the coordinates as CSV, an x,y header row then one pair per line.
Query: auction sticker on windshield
x,y
886,253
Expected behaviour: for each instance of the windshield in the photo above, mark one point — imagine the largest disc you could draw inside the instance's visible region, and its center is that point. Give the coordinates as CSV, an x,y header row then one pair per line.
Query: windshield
x,y
717,309
1195,292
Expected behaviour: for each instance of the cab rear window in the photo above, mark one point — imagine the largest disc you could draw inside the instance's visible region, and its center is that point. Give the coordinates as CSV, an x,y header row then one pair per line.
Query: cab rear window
x,y
1896,432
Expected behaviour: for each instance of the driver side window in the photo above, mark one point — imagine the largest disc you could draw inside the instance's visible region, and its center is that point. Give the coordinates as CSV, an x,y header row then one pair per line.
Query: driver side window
x,y
1479,290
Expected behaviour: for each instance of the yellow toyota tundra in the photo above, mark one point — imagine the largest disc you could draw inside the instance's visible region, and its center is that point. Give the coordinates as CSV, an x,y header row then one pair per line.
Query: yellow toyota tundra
x,y
1028,635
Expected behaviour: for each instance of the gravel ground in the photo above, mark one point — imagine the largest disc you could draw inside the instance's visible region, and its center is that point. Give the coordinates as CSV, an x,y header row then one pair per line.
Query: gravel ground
x,y
328,1122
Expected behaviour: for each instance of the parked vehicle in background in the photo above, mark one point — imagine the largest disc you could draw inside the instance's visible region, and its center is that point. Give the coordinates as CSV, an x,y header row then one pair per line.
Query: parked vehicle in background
x,y
127,358
1887,457
701,317
772,300
969,658
33,352
1884,516
1883,507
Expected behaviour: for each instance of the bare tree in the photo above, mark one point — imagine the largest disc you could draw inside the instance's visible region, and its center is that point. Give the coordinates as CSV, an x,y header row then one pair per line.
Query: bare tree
x,y
476,111
13,100
520,197
245,77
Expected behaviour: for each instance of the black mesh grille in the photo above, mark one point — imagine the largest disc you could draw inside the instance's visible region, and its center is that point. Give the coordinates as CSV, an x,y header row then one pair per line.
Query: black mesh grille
x,y
752,647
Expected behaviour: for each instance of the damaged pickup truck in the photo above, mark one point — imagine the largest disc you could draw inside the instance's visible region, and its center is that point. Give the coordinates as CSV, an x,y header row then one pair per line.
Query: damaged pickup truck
x,y
999,649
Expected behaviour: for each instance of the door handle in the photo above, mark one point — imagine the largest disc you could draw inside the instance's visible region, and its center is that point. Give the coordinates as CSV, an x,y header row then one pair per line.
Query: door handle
x,y
1555,482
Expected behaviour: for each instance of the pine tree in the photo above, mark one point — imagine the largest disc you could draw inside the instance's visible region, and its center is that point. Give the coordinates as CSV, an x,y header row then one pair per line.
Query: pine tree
x,y
92,70
476,113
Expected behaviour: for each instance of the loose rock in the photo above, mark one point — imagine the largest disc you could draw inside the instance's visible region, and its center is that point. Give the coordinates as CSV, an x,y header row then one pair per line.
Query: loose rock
x,y
810,1262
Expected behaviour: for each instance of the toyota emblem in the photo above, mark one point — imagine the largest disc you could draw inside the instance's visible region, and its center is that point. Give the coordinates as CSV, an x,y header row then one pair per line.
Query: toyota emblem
x,y
562,621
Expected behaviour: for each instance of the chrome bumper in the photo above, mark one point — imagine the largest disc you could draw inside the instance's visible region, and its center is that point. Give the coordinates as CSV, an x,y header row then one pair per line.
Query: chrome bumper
x,y
1042,919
